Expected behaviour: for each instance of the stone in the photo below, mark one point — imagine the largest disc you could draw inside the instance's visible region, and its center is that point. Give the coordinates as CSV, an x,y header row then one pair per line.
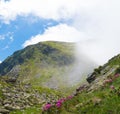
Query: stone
x,y
91,78
4,111
6,101
8,107
16,107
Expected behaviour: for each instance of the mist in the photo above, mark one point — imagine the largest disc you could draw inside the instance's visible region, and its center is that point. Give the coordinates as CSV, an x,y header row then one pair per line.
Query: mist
x,y
82,67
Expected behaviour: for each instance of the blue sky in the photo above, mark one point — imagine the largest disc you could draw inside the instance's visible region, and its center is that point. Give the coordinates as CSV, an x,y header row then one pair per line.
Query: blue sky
x,y
93,24
14,34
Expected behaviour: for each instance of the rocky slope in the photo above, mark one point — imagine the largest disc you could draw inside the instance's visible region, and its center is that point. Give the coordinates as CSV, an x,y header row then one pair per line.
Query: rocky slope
x,y
19,96
100,95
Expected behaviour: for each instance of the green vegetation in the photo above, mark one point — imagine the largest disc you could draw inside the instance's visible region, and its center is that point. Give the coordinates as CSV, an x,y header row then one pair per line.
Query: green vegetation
x,y
31,110
55,53
34,83
45,64
104,100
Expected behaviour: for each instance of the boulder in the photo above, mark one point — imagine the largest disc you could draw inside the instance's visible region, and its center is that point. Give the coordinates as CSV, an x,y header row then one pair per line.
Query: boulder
x,y
91,78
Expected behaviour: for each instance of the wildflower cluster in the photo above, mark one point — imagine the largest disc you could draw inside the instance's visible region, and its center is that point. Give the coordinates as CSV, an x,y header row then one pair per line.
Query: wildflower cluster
x,y
112,87
57,104
47,106
110,80
117,75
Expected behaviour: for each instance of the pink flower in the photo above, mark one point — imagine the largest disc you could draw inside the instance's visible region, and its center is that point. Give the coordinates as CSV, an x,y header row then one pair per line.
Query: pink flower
x,y
58,104
69,97
108,81
47,106
61,100
117,75
112,87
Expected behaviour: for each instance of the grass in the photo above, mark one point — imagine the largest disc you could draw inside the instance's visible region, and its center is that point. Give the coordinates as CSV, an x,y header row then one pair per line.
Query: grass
x,y
101,101
31,110
42,63
40,67
84,103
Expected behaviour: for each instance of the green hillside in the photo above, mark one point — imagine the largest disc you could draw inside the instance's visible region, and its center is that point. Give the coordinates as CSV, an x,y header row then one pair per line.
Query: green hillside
x,y
33,79
100,96
45,64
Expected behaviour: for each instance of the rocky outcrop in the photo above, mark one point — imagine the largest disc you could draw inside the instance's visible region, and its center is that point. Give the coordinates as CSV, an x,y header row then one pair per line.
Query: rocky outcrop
x,y
19,96
91,78
101,73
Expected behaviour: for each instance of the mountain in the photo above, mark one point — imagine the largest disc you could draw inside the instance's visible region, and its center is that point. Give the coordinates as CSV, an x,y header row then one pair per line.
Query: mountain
x,y
28,75
32,76
48,64
43,63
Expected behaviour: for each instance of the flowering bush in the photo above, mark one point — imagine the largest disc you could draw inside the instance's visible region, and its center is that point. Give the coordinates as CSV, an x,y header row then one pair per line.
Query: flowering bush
x,y
116,75
69,97
47,107
112,87
108,81
58,104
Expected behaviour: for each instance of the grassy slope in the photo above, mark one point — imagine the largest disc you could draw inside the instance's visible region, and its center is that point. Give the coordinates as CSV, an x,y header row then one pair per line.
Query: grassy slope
x,y
104,99
101,99
48,69
43,64
48,94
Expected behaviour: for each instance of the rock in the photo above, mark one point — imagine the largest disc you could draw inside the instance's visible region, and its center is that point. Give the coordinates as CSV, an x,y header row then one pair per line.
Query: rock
x,y
81,88
18,96
8,107
91,78
6,101
4,111
16,108
14,73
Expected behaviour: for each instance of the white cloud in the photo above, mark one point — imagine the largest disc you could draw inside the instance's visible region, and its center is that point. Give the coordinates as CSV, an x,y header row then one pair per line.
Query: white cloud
x,y
98,20
2,37
60,32
0,62
48,9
